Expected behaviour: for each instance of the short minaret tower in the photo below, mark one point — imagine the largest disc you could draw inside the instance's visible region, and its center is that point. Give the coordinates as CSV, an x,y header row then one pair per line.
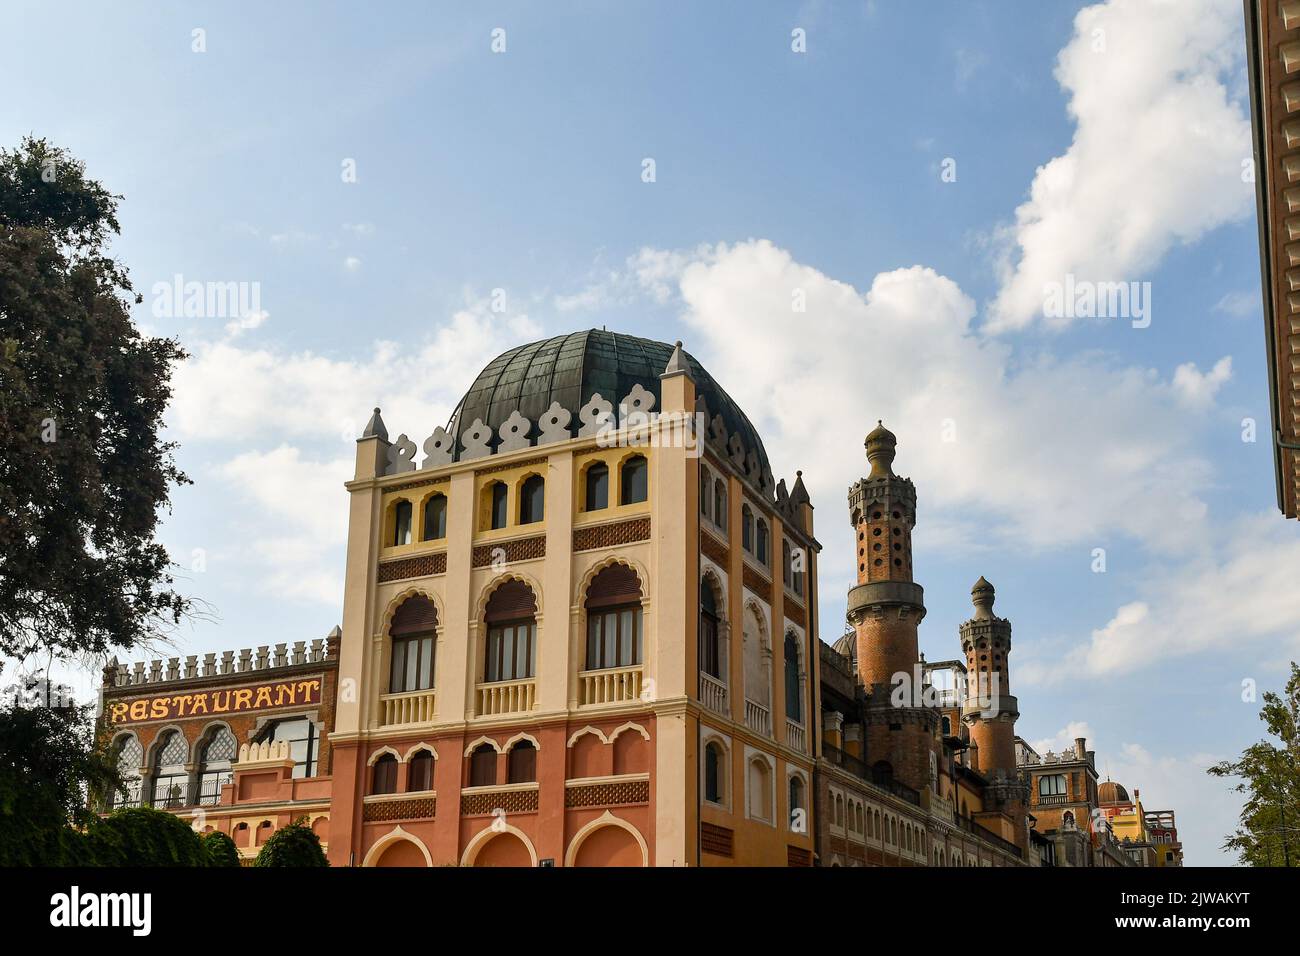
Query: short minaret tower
x,y
989,710
884,609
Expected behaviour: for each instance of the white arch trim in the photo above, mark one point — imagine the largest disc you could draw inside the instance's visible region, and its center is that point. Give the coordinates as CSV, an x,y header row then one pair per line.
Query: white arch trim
x,y
481,839
485,739
490,588
573,738
643,577
518,737
629,726
417,748
604,820
374,757
388,839
400,598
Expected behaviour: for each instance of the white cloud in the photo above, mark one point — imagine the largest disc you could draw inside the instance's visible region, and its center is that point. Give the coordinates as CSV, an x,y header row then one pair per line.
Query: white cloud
x,y
351,263
1064,739
1156,157
1197,388
251,320
1239,304
1240,598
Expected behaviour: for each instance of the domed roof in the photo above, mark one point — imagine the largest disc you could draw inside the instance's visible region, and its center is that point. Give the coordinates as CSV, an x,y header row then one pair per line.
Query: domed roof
x,y
847,646
1112,792
569,369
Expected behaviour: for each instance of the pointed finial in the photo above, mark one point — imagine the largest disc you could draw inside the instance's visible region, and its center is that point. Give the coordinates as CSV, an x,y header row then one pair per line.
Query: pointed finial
x,y
799,494
881,444
375,427
676,362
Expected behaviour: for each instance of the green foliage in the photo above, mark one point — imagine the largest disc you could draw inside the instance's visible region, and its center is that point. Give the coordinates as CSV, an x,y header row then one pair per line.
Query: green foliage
x,y
143,836
294,845
48,768
219,849
82,394
1269,830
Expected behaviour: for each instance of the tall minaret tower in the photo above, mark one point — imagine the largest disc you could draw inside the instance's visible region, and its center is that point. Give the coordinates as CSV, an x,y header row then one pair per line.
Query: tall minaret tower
x,y
885,608
989,710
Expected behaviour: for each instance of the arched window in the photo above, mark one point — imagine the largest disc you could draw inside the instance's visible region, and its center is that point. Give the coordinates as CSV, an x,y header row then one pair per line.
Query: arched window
x,y
758,672
383,775
532,500
746,528
522,763
512,633
760,789
761,542
796,798
720,504
785,565
402,523
130,755
216,755
710,655
793,696
634,481
497,495
614,618
170,781
597,497
303,739
483,766
706,492
414,636
947,726
419,772
435,518
715,773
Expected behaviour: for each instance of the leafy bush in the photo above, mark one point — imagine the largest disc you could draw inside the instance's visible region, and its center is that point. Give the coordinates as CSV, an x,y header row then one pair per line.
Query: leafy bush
x,y
219,849
143,836
294,845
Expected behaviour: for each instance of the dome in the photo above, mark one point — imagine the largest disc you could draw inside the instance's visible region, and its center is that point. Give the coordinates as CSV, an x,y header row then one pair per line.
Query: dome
x,y
569,369
847,647
1111,792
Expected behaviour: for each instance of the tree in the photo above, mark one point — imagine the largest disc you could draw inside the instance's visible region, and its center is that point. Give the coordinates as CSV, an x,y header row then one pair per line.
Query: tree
x,y
82,471
294,845
48,765
1269,830
220,850
143,836
82,478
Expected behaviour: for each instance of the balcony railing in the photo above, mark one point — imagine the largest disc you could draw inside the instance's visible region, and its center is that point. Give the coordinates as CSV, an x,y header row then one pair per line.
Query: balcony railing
x,y
410,707
610,685
856,767
758,718
973,828
796,738
713,694
506,697
1048,800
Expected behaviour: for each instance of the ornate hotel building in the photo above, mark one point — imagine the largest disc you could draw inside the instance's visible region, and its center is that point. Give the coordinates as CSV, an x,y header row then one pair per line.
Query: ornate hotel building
x,y
580,629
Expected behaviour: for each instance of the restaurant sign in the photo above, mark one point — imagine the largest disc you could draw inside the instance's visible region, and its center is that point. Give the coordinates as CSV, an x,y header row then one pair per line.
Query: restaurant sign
x,y
206,703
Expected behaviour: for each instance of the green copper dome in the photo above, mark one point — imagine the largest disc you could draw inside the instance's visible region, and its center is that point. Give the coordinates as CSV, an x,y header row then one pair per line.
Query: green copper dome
x,y
569,369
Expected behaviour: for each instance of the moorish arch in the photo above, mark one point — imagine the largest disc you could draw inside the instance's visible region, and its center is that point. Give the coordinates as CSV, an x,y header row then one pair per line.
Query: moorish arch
x,y
415,591
584,585
485,595
499,844
398,847
607,841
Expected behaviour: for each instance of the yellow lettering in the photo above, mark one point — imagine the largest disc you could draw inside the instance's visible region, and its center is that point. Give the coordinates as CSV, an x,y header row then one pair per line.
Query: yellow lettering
x,y
220,703
263,697
243,697
139,709
157,708
119,711
283,689
200,704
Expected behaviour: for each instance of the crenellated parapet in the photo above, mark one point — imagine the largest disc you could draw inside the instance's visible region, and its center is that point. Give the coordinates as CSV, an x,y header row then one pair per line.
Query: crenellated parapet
x,y
247,660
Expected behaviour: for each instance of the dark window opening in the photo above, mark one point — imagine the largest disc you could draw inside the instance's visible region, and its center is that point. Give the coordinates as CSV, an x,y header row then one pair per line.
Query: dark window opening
x,y
634,485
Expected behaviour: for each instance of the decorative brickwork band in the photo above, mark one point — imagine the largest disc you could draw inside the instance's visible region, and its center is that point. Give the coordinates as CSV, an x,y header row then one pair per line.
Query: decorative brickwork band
x,y
611,535
514,464
760,585
712,549
418,567
607,794
511,801
420,808
408,485
717,840
520,549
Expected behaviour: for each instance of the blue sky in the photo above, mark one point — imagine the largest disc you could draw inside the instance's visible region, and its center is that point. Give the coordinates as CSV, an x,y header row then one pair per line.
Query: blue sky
x,y
1111,156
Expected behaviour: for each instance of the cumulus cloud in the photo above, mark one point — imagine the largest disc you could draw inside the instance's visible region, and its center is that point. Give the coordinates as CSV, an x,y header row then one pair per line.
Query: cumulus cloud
x,y
1197,388
1156,158
244,323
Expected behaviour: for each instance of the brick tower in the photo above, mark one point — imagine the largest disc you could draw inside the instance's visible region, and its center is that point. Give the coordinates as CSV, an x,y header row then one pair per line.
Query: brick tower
x,y
885,608
989,710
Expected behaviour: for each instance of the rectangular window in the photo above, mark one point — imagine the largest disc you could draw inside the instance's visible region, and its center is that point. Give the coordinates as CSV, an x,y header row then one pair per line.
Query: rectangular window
x,y
614,638
1052,786
510,652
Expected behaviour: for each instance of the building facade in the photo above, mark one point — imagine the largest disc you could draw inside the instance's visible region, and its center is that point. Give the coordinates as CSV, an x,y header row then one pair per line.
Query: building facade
x,y
580,629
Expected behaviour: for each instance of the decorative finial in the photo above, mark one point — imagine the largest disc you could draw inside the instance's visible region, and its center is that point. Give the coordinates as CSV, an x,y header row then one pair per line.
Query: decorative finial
x,y
982,596
880,451
676,362
375,427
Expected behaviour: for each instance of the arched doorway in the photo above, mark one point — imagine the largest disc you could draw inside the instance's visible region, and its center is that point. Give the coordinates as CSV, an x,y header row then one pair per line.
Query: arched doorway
x,y
609,846
401,853
504,849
